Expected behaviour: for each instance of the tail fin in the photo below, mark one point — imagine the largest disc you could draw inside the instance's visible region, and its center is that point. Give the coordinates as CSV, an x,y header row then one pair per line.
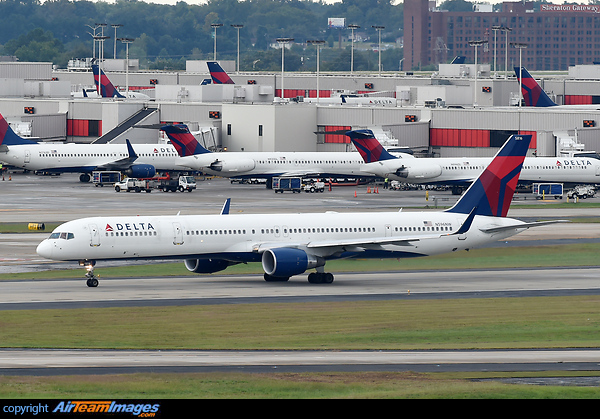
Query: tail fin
x,y
219,76
183,140
368,146
8,136
533,94
106,87
492,192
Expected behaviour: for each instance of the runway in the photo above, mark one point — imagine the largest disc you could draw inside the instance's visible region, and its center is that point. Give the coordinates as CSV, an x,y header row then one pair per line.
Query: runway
x,y
231,289
59,362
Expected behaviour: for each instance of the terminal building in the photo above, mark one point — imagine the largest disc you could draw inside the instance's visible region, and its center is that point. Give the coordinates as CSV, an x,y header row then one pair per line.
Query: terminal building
x,y
461,110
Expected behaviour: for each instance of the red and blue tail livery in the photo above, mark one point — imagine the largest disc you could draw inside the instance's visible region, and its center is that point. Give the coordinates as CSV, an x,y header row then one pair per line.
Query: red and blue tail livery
x,y
533,94
107,89
367,145
219,76
492,193
9,137
183,140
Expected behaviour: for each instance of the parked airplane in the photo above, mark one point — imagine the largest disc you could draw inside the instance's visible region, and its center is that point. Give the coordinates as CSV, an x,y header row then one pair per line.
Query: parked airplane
x,y
218,75
107,89
263,164
534,95
85,158
291,244
461,172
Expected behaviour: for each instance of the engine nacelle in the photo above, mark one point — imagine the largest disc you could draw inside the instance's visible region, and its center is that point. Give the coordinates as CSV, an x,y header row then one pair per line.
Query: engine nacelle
x,y
286,261
233,165
141,171
420,172
206,266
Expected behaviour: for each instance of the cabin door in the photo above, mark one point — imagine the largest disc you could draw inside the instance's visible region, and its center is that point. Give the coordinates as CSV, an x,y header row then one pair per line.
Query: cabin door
x,y
94,235
177,234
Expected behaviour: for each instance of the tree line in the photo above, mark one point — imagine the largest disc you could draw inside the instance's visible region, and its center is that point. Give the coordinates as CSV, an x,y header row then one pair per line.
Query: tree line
x,y
168,35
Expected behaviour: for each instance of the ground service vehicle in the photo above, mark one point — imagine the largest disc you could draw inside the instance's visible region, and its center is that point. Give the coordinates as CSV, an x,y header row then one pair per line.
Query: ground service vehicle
x,y
134,185
314,186
281,184
101,178
581,191
181,184
547,190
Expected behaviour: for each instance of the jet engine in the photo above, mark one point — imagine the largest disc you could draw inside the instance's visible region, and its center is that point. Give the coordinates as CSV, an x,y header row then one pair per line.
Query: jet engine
x,y
419,172
232,165
286,261
141,171
206,266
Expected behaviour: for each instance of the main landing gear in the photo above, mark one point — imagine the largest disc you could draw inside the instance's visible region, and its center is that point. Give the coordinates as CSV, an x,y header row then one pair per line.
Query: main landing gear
x,y
91,279
320,278
313,278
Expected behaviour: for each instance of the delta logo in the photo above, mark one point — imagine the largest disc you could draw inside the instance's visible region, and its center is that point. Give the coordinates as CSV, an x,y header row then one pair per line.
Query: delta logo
x,y
573,163
146,410
130,227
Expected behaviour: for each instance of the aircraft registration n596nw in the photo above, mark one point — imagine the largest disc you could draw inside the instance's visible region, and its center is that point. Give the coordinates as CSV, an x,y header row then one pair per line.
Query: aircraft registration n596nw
x,y
263,164
463,171
144,162
291,244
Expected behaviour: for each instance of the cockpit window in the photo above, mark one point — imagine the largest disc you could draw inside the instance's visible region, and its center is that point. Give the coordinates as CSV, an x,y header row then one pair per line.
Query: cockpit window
x,y
62,235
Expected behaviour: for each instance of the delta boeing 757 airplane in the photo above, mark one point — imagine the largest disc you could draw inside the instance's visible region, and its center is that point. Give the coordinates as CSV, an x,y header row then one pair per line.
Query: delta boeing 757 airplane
x,y
291,244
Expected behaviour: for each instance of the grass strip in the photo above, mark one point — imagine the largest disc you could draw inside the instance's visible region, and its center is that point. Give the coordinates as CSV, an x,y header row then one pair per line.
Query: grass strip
x,y
332,385
541,322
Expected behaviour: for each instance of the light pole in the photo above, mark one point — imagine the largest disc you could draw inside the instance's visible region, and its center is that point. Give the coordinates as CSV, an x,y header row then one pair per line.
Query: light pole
x,y
318,44
352,27
379,29
115,26
238,27
520,46
100,39
495,28
94,28
506,31
126,41
215,26
476,44
283,42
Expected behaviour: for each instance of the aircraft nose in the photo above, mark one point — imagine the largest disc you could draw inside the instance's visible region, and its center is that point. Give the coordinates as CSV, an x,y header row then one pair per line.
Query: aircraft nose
x,y
44,249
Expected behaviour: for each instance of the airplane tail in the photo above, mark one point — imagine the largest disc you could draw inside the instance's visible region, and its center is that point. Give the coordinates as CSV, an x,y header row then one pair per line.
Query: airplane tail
x,y
533,94
8,137
183,140
368,146
219,76
107,89
493,191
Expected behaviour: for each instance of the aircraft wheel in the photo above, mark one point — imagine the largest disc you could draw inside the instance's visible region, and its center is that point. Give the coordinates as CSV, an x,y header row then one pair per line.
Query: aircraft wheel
x,y
270,278
92,282
320,278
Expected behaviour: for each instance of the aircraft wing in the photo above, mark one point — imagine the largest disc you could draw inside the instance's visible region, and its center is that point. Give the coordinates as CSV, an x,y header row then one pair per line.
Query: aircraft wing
x,y
123,163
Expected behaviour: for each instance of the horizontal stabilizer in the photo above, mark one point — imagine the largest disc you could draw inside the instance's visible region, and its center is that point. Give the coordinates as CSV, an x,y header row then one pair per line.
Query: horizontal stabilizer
x,y
521,226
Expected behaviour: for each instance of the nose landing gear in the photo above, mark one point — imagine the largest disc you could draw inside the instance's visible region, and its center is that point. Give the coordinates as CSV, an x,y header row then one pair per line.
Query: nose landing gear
x,y
91,279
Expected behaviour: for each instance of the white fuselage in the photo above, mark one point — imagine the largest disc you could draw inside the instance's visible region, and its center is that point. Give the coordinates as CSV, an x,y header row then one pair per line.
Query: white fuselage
x,y
458,170
248,164
243,238
87,157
